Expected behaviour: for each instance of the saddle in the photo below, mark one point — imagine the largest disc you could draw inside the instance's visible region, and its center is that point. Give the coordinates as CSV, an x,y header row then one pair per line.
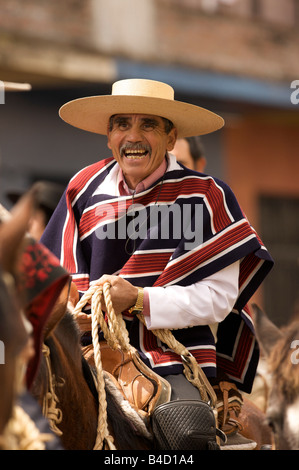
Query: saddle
x,y
138,384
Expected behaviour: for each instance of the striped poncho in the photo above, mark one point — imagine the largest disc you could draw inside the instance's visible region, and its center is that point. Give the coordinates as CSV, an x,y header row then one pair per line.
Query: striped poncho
x,y
94,232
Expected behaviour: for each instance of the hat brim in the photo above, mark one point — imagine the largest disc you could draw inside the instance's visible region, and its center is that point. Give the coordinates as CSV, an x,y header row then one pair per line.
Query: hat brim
x,y
92,113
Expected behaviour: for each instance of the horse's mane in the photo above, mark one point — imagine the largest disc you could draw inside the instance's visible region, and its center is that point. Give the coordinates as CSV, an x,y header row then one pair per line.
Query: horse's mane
x,y
282,364
65,336
68,330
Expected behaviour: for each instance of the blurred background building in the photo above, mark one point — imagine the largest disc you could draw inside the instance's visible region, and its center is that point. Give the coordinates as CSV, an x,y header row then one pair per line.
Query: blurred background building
x,y
239,58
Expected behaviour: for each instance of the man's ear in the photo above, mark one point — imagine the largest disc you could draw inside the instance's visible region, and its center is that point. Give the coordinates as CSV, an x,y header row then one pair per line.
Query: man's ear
x,y
172,137
108,139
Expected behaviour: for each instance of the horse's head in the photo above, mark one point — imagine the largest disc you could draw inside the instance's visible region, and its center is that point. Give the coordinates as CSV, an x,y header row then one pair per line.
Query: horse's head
x,y
13,334
13,227
280,347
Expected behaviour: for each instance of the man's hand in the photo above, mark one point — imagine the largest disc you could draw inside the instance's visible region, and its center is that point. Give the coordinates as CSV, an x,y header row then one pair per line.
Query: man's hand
x,y
123,293
83,319
123,296
84,322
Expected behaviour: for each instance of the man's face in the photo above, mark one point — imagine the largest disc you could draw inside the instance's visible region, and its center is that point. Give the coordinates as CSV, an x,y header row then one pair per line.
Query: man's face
x,y
139,144
182,152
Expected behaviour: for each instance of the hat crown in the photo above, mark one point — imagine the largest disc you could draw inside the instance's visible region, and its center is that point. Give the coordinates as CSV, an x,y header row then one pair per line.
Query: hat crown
x,y
141,87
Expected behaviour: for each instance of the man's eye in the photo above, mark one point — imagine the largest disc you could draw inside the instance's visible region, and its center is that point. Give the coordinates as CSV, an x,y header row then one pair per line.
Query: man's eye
x,y
120,124
149,126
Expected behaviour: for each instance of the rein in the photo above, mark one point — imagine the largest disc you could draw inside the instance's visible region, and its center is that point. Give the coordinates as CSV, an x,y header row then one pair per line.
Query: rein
x,y
116,335
94,295
50,400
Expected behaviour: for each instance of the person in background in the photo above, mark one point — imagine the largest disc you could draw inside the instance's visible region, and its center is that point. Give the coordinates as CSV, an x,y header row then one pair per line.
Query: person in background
x,y
190,152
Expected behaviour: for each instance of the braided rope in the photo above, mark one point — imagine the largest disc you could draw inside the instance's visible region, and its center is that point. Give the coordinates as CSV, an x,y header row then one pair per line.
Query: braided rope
x,y
116,322
21,433
117,336
94,295
192,370
50,400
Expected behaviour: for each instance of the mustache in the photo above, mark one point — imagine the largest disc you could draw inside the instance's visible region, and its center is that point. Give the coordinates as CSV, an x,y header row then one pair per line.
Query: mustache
x,y
138,147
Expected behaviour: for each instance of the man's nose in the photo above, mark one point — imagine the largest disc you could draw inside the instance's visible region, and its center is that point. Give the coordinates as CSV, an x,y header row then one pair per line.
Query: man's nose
x,y
134,134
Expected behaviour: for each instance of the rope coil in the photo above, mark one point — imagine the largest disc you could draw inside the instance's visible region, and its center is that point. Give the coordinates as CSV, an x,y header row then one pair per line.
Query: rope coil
x,y
93,296
21,433
117,337
50,408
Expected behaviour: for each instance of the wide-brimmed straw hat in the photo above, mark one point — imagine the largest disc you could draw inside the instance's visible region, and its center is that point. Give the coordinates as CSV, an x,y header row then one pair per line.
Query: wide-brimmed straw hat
x,y
139,96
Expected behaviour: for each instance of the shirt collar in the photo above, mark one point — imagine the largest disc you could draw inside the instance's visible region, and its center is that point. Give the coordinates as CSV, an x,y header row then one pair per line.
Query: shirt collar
x,y
124,189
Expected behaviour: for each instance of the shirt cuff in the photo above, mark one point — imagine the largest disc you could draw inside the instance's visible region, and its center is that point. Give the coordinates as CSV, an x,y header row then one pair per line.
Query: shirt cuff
x,y
146,306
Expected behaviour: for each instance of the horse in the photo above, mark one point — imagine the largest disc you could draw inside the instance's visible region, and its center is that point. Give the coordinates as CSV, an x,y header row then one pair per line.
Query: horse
x,y
62,367
254,425
65,390
13,338
13,332
280,348
74,410
79,423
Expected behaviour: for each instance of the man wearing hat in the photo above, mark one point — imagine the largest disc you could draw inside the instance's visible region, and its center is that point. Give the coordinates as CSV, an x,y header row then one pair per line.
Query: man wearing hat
x,y
197,279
